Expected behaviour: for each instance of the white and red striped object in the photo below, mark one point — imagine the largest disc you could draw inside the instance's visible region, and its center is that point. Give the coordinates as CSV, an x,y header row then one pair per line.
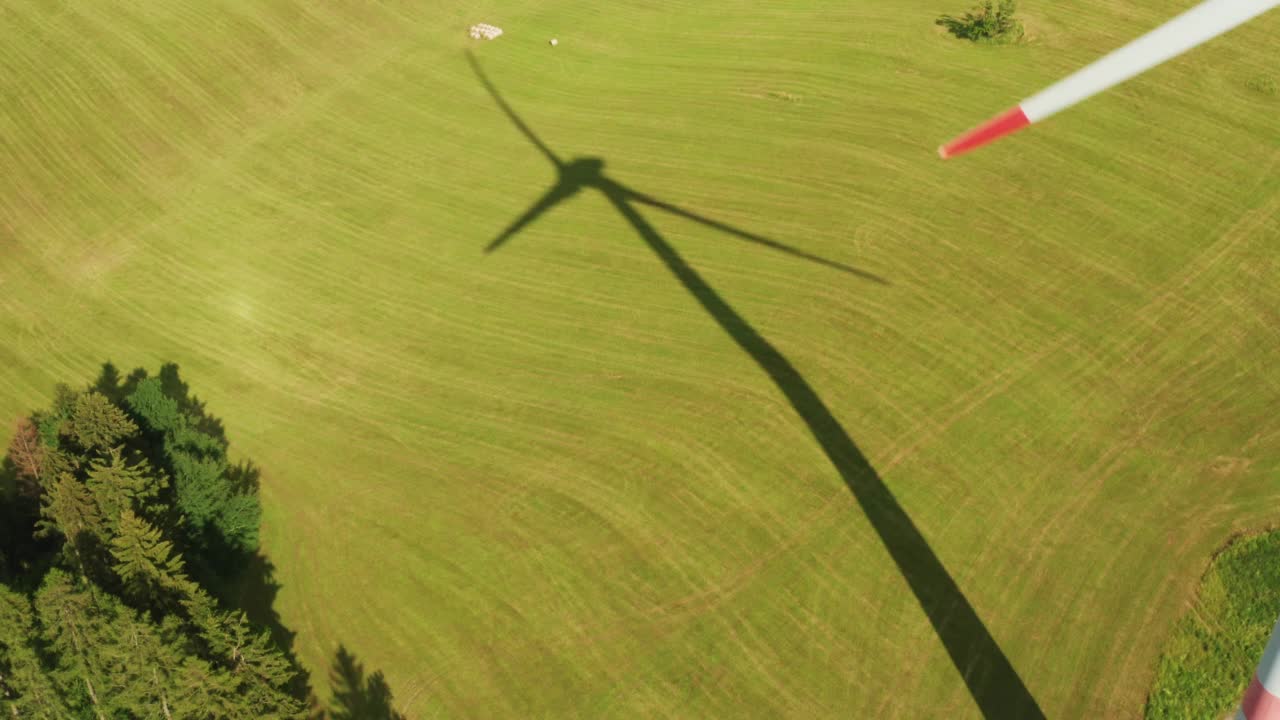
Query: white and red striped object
x,y
1195,26
1262,699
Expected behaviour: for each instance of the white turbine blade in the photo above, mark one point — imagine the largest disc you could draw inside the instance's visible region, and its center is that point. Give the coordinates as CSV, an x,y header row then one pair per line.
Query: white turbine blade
x,y
1262,698
1201,23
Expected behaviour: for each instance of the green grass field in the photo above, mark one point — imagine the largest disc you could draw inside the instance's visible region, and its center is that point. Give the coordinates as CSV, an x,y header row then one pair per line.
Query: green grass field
x,y
550,481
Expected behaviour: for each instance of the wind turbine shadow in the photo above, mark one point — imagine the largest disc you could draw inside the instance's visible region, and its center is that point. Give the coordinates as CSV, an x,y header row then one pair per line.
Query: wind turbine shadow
x,y
588,172
995,686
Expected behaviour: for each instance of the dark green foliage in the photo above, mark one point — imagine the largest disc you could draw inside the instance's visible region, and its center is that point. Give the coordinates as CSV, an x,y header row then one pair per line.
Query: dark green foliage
x,y
119,486
120,629
258,670
990,22
98,425
157,410
200,485
86,512
26,690
1215,648
114,662
220,515
77,632
145,561
19,511
239,518
69,509
50,423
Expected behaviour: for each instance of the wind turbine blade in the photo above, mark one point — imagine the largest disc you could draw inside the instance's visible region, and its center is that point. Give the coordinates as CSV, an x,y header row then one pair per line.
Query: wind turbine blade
x,y
497,97
552,197
751,237
1201,23
1262,697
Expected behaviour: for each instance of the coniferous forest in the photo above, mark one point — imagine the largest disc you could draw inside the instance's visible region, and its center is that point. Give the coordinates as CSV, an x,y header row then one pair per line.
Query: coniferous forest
x,y
127,540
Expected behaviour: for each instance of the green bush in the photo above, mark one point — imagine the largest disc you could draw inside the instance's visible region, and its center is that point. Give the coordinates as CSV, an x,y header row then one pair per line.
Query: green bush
x,y
1211,654
1264,84
990,22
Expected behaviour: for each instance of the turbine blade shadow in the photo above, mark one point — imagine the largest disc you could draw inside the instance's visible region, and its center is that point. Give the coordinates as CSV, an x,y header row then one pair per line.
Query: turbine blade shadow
x,y
994,684
750,237
553,197
511,114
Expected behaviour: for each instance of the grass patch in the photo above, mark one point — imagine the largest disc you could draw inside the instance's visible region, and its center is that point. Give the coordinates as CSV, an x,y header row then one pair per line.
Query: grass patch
x,y
1264,84
1216,646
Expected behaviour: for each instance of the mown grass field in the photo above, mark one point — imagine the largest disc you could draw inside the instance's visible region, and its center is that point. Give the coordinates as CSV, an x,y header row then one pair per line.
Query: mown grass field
x,y
545,482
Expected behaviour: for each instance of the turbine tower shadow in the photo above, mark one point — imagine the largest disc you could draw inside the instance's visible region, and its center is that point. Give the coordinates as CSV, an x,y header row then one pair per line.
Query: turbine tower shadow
x,y
995,686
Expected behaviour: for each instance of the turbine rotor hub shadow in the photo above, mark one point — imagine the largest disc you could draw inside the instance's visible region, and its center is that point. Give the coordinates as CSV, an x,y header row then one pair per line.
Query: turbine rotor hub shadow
x,y
582,172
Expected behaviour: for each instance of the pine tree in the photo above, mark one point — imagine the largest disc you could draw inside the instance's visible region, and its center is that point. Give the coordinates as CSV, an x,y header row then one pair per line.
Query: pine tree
x,y
199,488
26,691
69,509
239,517
114,662
54,463
262,673
162,677
51,424
97,425
145,561
75,630
118,486
157,410
196,687
219,515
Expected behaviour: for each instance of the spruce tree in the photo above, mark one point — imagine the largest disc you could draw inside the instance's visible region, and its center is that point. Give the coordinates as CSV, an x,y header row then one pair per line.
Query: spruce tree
x,y
51,424
96,424
26,690
220,515
69,509
118,486
146,562
76,631
262,673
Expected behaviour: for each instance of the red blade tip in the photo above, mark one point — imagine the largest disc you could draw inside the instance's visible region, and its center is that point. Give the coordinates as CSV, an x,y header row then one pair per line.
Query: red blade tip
x,y
997,127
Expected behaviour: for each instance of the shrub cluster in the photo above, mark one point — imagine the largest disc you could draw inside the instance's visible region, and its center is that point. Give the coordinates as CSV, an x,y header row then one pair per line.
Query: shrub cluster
x,y
990,22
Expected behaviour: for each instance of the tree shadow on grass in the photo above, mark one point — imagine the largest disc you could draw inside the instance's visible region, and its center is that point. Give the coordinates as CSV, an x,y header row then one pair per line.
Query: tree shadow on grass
x,y
254,591
994,684
355,695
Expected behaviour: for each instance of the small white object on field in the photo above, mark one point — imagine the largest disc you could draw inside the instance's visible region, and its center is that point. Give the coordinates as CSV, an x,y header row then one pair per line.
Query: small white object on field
x,y
554,42
484,30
